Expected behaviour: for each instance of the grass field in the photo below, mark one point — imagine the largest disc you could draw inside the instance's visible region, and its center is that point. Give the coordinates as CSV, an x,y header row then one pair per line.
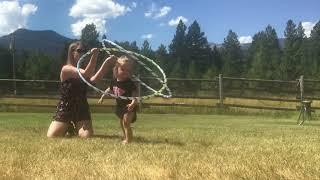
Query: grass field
x,y
165,147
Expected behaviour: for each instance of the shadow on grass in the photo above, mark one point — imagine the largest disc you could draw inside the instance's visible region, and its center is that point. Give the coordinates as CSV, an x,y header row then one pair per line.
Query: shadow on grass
x,y
103,136
291,123
142,140
157,141
285,123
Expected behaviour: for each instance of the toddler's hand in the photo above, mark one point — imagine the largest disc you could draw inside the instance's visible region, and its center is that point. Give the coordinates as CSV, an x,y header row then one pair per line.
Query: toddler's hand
x,y
111,59
100,101
131,106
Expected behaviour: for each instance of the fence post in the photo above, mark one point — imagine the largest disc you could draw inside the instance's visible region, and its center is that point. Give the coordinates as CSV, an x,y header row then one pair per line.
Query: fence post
x,y
301,84
220,90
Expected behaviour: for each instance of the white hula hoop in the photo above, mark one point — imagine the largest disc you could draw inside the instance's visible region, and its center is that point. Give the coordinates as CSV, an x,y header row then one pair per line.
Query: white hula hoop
x,y
138,58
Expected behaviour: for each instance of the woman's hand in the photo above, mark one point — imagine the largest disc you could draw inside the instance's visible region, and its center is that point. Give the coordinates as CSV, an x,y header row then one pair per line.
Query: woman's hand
x,y
94,51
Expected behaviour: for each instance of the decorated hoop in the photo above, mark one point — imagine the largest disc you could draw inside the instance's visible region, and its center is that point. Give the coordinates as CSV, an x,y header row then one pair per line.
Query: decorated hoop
x,y
138,58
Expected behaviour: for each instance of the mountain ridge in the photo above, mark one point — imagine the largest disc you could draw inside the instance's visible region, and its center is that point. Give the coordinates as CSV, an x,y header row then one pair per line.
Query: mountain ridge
x,y
47,41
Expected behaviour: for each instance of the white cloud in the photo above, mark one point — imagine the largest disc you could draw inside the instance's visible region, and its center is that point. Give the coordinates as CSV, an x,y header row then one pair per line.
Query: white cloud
x,y
147,36
28,9
174,22
156,13
308,26
163,12
147,14
80,24
95,11
14,16
245,39
134,5
151,11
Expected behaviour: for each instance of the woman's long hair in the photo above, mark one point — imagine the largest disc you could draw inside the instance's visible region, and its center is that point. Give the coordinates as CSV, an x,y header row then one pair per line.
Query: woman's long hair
x,y
72,48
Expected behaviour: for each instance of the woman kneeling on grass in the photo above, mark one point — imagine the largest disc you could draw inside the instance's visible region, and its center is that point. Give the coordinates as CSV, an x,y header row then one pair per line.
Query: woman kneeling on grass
x,y
73,109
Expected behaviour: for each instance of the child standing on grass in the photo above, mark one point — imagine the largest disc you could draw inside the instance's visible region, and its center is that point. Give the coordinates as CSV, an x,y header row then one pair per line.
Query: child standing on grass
x,y
122,85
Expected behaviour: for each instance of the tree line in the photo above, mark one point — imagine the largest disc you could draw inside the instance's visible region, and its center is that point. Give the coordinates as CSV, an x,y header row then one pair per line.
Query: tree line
x,y
189,55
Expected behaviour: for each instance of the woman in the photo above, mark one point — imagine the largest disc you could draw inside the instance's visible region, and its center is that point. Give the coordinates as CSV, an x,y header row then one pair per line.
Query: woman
x,y
73,108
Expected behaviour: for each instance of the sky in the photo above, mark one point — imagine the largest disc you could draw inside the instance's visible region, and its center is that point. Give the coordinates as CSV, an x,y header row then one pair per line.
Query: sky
x,y
156,20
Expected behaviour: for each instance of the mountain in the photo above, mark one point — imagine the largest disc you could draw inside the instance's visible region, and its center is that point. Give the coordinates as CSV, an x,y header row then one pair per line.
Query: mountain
x,y
247,45
46,41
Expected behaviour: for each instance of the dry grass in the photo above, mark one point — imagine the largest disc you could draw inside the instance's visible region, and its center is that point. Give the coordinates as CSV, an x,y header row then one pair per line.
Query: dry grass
x,y
157,100
166,147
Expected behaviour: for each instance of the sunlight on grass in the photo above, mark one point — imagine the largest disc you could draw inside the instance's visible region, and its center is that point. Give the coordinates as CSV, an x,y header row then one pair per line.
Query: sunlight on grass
x,y
165,147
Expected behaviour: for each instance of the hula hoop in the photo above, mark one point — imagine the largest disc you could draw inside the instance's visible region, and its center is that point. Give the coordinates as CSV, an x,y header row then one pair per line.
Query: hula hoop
x,y
136,57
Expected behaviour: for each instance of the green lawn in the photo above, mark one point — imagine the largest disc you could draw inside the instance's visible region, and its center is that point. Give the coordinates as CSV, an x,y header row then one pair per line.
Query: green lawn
x,y
167,146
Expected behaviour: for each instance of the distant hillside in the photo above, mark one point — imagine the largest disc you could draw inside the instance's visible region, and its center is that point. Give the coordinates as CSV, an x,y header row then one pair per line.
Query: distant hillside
x,y
46,41
247,45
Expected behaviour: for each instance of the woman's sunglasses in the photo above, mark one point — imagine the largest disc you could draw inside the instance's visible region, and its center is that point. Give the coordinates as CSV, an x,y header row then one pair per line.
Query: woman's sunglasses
x,y
80,51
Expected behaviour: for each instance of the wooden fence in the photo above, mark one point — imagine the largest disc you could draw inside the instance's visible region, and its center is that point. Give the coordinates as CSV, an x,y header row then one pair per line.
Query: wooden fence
x,y
219,92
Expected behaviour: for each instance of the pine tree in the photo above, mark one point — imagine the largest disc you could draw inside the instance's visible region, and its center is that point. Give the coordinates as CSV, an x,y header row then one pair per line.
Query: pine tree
x,y
134,47
178,51
146,50
40,66
5,64
89,36
198,51
215,64
178,45
192,70
177,70
288,64
162,58
264,55
315,50
232,56
216,58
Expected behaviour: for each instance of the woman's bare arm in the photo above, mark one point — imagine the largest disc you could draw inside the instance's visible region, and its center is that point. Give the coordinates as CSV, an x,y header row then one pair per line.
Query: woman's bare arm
x,y
104,68
90,68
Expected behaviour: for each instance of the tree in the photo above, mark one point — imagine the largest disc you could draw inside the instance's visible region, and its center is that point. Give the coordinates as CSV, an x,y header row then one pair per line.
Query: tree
x,y
315,50
134,47
274,52
129,46
178,45
215,64
216,58
146,50
22,57
301,43
211,72
5,64
178,50
89,36
264,55
176,70
41,66
162,59
289,62
232,56
198,51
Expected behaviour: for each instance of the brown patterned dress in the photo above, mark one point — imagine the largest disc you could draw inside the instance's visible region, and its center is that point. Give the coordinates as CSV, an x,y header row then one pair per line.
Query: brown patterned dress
x,y
73,105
